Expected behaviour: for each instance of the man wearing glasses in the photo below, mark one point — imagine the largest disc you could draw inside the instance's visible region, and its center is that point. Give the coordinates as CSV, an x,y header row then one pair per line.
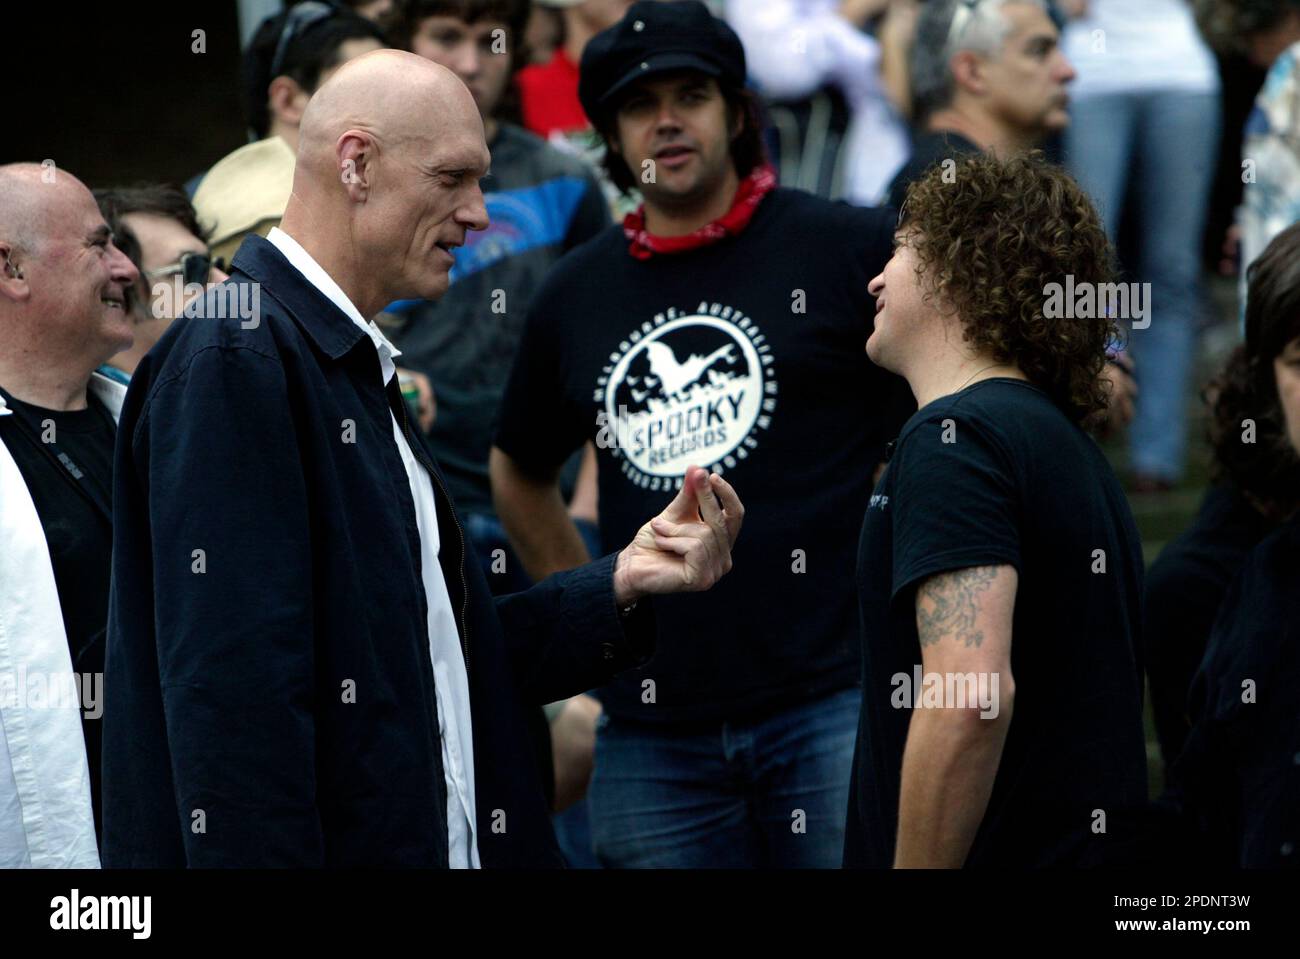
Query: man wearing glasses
x,y
158,229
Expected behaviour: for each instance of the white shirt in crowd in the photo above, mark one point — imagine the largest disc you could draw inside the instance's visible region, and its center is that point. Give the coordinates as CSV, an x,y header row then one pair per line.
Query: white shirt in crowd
x,y
1137,46
795,47
451,683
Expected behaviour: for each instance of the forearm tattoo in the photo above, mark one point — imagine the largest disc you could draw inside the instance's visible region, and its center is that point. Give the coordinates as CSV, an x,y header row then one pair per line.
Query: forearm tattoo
x,y
948,605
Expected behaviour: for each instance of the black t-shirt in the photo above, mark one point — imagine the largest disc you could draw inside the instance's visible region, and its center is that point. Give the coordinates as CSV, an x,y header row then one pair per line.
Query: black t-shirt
x,y
927,150
51,448
1184,589
996,474
745,356
1240,768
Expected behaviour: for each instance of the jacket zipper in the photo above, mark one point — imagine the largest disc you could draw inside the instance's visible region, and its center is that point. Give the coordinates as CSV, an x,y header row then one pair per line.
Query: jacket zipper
x,y
464,584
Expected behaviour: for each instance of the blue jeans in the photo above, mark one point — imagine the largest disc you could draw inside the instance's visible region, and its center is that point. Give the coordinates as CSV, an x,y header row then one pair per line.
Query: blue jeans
x,y
773,792
1165,143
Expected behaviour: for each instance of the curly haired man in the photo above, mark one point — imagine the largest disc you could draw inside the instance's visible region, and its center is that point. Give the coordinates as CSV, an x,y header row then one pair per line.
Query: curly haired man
x,y
999,570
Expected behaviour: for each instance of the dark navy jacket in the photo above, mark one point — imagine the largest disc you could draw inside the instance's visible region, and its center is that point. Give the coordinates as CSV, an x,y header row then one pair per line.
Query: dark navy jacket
x,y
269,696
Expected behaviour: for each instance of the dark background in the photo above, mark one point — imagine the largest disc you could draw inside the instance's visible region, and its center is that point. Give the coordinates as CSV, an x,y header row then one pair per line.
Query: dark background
x,y
113,92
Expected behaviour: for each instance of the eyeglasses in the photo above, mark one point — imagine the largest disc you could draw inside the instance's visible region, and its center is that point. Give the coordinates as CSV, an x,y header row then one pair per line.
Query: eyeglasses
x,y
193,267
300,19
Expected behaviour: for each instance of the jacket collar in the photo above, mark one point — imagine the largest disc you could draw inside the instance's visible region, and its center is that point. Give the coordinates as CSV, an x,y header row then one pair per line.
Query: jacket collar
x,y
329,328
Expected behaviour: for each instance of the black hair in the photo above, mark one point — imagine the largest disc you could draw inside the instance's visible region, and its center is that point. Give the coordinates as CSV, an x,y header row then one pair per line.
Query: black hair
x,y
1266,470
312,51
513,13
160,199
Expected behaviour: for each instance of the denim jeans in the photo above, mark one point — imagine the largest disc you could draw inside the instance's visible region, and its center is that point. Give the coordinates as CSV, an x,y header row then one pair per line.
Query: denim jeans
x,y
773,792
1165,144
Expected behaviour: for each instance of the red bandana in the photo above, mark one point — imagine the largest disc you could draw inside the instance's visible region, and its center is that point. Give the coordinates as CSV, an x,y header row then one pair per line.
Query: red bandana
x,y
760,182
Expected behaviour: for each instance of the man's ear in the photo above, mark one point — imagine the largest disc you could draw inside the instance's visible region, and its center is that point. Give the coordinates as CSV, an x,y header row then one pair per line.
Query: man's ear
x,y
356,153
286,100
967,68
13,282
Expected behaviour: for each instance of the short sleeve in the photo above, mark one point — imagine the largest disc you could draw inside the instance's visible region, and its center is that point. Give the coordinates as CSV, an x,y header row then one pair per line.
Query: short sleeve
x,y
538,426
955,501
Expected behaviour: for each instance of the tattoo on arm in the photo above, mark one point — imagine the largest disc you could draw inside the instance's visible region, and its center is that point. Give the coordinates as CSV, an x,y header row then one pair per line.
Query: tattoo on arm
x,y
946,604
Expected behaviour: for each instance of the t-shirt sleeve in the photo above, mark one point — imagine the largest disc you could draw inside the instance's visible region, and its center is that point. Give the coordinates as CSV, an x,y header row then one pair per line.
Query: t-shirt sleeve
x,y
591,215
955,501
538,425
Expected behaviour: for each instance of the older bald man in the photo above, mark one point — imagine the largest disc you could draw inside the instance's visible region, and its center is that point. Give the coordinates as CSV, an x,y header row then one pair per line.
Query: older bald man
x,y
304,669
63,312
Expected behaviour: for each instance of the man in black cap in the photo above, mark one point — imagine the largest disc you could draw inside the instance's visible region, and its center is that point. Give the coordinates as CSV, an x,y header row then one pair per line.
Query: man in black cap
x,y
723,324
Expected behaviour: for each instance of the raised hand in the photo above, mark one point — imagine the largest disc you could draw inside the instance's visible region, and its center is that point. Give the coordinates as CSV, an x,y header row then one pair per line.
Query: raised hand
x,y
687,547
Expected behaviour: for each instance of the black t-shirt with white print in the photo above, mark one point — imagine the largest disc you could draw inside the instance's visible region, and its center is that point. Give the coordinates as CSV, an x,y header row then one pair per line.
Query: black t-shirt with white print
x,y
996,474
745,356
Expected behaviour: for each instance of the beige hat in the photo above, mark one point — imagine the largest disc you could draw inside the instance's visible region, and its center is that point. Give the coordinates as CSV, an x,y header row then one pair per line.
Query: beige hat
x,y
246,192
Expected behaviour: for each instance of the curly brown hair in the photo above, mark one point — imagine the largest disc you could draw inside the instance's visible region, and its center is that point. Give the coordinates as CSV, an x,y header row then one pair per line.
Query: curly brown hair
x,y
990,235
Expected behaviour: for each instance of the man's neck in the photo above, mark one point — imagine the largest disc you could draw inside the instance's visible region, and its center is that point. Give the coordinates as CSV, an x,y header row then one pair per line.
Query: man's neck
x,y
679,221
981,129
287,133
28,376
333,256
945,372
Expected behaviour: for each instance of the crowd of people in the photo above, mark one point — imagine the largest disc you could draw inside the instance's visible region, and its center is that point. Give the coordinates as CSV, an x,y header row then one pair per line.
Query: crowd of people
x,y
497,462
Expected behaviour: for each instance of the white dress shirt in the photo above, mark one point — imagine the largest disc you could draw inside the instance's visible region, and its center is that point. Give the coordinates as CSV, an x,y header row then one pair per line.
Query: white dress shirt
x,y
451,683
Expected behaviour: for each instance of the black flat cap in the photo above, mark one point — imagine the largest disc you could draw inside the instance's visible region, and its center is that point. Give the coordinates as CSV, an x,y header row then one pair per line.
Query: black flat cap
x,y
657,37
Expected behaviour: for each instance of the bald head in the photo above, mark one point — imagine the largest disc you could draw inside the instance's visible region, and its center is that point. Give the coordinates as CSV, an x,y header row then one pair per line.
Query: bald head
x,y
390,152
63,286
401,100
35,199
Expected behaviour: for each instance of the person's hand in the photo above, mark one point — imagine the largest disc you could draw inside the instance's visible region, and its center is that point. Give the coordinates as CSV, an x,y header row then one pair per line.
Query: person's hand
x,y
687,547
1123,392
573,749
427,407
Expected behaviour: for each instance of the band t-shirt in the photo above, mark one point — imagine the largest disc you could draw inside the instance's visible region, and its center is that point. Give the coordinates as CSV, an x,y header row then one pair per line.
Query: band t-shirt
x,y
996,474
745,356
66,460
